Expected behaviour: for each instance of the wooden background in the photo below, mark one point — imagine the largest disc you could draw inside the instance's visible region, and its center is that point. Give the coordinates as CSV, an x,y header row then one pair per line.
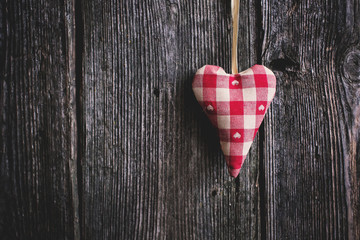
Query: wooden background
x,y
102,138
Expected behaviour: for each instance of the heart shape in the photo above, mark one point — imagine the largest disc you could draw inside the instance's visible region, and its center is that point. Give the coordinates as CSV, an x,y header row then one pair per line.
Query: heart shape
x,y
236,105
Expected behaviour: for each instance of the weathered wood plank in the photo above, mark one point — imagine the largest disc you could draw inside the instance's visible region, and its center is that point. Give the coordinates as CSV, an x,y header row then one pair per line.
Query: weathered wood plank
x,y
150,162
153,168
312,132
38,194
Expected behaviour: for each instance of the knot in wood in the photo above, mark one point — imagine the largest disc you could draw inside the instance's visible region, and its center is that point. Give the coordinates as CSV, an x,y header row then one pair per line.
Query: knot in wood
x,y
352,65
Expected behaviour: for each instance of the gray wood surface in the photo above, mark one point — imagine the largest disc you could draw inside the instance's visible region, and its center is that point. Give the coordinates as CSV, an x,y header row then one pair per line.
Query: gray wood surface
x,y
38,189
102,138
153,167
311,153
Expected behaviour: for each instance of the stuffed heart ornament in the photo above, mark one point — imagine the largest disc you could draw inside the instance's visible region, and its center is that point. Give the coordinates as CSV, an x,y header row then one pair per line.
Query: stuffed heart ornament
x,y
236,105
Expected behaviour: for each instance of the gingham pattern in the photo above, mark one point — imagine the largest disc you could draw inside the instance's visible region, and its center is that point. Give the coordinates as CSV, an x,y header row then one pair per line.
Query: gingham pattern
x,y
236,105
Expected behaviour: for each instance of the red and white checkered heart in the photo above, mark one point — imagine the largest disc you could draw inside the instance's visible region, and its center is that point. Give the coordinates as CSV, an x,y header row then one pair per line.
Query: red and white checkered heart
x,y
236,105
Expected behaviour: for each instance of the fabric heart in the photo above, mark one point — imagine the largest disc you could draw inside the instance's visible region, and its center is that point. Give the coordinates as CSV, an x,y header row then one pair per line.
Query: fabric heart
x,y
236,105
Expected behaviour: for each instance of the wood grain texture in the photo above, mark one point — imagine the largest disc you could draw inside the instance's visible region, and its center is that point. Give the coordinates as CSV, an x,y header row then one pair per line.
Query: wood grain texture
x,y
37,180
153,168
311,132
102,138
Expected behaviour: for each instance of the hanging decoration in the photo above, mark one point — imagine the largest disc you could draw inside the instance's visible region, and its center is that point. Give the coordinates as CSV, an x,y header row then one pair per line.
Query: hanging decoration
x,y
235,103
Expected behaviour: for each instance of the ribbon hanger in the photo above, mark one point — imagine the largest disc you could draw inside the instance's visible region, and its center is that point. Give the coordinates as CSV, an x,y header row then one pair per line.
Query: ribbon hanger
x,y
235,29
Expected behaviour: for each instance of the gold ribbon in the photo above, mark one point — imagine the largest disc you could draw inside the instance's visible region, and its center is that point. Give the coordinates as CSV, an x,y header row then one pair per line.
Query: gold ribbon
x,y
235,29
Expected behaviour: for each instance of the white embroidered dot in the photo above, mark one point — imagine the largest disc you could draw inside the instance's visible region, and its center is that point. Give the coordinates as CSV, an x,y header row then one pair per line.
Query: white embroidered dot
x,y
261,108
237,135
235,83
210,108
